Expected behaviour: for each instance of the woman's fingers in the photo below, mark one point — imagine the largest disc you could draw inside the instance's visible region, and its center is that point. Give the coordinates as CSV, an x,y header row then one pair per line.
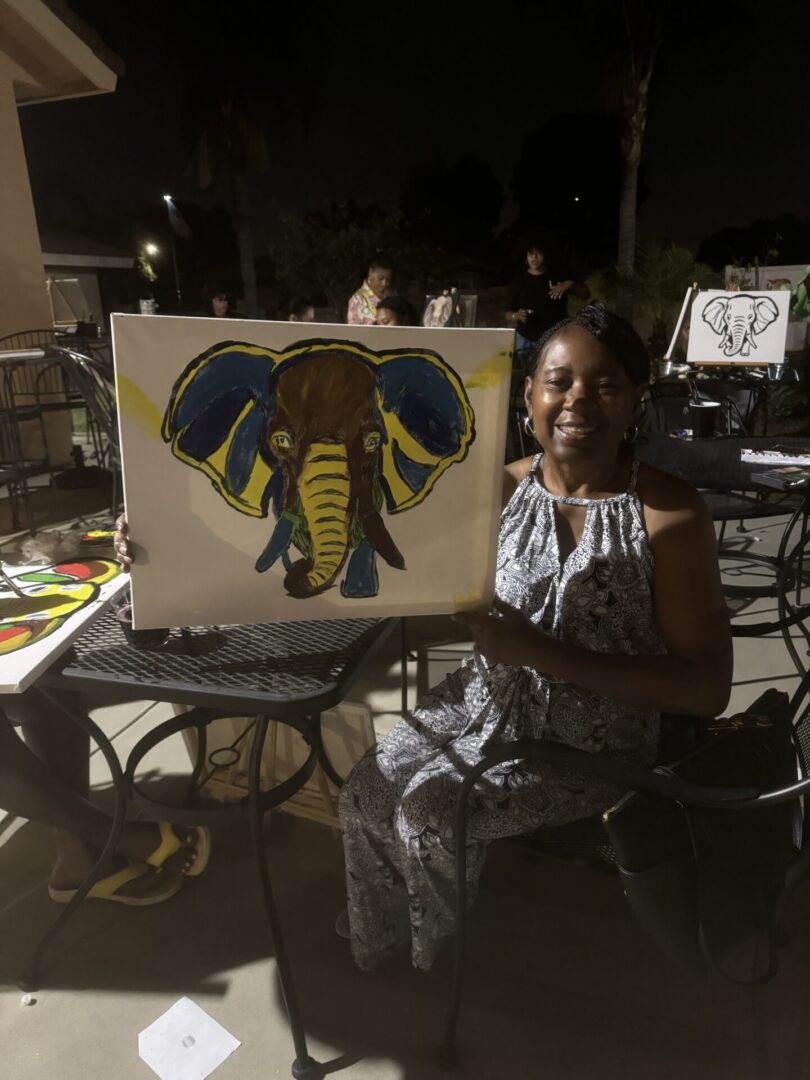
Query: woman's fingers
x,y
121,544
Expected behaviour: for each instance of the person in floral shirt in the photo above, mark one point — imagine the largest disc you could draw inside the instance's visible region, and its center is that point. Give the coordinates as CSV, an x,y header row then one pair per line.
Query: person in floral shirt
x,y
362,309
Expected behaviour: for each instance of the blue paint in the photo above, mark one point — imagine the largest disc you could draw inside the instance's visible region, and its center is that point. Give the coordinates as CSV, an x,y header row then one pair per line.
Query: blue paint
x,y
415,475
361,573
277,545
425,401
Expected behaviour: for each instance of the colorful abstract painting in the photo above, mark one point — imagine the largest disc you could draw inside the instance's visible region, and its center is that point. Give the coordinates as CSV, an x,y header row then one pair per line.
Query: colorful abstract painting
x,y
287,465
43,609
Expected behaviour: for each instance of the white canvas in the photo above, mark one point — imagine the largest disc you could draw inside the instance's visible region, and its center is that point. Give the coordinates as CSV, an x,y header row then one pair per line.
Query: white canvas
x,y
408,422
738,327
60,601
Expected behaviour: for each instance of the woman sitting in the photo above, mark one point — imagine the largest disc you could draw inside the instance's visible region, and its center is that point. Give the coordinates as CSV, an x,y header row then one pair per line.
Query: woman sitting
x,y
608,612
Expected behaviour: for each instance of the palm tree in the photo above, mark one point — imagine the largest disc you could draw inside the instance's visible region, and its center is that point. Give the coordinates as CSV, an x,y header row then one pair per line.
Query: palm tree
x,y
230,145
643,31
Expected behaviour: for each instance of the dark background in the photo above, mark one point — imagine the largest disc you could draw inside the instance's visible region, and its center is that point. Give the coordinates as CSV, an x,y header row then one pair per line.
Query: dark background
x,y
475,126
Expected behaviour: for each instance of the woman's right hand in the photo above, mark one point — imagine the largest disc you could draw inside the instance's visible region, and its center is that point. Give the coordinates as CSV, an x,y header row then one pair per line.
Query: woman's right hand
x,y
123,552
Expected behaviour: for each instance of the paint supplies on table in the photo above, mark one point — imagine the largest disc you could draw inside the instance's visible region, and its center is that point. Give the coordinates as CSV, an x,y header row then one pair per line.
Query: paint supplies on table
x,y
785,478
777,455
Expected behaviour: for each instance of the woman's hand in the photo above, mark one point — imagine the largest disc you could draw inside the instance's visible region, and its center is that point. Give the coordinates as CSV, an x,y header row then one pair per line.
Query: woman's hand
x,y
558,291
123,552
505,637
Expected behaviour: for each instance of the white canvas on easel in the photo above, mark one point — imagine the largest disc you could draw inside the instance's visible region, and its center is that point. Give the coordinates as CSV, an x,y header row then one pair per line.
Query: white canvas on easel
x,y
227,428
739,328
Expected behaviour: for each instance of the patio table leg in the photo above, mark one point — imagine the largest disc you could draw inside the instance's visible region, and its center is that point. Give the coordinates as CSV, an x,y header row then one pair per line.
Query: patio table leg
x,y
304,1067
30,979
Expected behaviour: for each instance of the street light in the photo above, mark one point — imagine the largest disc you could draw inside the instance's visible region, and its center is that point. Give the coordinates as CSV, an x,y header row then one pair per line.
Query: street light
x,y
151,249
169,208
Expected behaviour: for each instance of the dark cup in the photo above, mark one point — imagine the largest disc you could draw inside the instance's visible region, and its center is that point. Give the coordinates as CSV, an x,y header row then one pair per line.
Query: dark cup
x,y
704,419
139,639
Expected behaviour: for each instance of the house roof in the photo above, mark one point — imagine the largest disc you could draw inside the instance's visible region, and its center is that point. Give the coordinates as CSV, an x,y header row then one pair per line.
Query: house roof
x,y
63,248
48,53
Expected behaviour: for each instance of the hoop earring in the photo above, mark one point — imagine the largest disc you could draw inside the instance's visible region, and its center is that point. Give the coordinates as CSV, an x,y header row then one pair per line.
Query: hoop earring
x,y
528,426
631,434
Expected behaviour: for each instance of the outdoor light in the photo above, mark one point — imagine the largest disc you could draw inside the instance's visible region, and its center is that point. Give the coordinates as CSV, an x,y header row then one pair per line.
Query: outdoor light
x,y
576,198
151,249
167,198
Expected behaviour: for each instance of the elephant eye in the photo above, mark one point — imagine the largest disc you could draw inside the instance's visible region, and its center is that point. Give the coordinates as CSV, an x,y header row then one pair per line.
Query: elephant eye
x,y
371,441
281,440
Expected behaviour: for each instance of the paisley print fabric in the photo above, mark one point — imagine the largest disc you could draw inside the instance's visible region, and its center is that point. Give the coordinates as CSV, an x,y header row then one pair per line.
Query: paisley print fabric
x,y
397,804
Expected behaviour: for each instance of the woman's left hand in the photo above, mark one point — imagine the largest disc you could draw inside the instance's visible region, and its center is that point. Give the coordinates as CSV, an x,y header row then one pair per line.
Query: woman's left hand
x,y
505,636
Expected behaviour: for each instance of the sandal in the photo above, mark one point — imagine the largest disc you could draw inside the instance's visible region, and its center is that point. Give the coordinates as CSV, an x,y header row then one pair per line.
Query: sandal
x,y
170,842
106,888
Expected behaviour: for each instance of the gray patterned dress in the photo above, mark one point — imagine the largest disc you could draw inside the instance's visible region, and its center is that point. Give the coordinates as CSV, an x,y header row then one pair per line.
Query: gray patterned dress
x,y
397,804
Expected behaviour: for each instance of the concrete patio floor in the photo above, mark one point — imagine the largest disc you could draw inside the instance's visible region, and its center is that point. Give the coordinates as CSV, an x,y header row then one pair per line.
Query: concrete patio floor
x,y
561,982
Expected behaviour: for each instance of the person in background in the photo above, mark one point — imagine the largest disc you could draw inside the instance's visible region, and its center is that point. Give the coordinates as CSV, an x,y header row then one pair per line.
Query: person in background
x,y
538,299
393,311
362,310
300,310
219,304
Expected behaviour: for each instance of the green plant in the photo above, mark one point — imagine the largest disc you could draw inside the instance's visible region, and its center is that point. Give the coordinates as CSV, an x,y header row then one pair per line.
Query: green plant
x,y
655,289
786,400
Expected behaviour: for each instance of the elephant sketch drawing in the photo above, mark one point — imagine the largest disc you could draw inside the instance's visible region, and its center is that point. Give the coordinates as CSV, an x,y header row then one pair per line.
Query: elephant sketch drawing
x,y
322,436
739,319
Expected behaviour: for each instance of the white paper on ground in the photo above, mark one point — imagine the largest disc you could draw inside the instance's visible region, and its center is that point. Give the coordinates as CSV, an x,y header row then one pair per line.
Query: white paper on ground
x,y
185,1043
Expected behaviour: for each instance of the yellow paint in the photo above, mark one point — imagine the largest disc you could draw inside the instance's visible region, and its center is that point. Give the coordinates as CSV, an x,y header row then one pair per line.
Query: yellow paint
x,y
326,560
491,372
466,600
136,406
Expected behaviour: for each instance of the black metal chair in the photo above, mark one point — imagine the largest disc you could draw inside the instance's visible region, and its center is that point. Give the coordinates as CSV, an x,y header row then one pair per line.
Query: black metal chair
x,y
741,400
658,782
92,381
666,407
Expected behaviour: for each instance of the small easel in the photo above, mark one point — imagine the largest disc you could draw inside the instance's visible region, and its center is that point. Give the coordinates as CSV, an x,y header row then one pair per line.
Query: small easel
x,y
686,309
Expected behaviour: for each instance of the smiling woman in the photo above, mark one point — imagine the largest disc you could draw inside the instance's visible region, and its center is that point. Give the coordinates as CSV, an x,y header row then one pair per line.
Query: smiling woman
x,y
609,612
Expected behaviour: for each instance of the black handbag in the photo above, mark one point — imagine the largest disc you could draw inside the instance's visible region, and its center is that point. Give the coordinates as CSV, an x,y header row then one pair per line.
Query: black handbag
x,y
709,884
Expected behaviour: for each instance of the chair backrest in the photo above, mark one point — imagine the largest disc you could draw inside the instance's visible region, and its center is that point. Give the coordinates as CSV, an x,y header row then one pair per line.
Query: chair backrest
x,y
739,400
92,379
666,407
28,339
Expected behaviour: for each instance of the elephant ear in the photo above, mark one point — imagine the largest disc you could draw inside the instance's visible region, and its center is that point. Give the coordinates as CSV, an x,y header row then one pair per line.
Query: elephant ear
x,y
428,420
766,313
714,314
216,421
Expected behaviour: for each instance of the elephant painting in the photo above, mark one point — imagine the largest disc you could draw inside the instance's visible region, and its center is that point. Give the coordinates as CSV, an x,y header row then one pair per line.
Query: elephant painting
x,y
322,434
738,319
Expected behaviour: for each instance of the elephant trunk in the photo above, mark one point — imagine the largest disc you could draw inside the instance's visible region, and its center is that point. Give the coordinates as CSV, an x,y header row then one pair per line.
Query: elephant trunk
x,y
325,493
736,337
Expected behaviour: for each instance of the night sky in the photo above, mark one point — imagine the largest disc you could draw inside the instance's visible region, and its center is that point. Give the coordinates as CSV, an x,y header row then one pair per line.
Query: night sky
x,y
728,136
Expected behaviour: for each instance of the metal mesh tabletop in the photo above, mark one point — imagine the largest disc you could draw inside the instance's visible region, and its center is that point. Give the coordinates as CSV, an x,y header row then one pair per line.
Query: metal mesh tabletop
x,y
291,667
711,464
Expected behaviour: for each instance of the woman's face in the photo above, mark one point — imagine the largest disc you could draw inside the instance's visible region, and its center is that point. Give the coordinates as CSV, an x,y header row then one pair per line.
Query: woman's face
x,y
380,280
386,317
581,399
535,260
219,306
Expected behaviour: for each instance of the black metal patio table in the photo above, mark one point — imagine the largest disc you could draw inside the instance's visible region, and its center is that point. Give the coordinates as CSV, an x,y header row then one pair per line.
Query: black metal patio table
x,y
713,464
287,672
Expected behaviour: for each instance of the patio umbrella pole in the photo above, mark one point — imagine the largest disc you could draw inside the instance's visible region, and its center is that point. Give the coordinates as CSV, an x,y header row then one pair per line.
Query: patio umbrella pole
x,y
304,1067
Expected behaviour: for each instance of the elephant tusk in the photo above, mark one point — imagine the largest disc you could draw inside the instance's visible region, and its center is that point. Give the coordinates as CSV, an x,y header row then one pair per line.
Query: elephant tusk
x,y
276,546
381,540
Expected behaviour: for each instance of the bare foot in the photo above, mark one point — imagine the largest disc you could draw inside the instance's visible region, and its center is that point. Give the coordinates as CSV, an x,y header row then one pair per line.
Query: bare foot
x,y
141,838
74,864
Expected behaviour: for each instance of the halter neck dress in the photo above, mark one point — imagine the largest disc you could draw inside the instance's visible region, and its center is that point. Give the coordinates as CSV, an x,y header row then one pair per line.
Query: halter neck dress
x,y
397,804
